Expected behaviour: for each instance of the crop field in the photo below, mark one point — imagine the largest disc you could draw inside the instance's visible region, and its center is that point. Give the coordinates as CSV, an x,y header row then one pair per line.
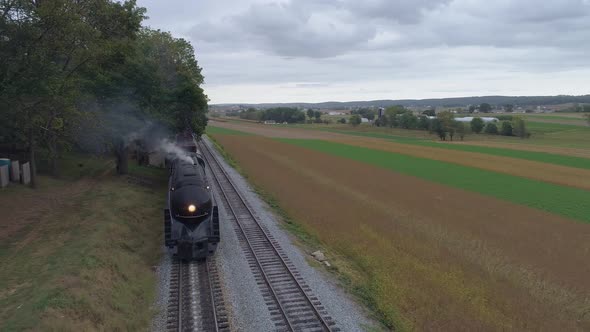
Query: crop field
x,y
544,157
433,244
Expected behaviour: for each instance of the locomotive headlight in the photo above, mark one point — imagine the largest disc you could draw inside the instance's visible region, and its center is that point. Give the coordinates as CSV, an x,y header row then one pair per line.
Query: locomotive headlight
x,y
192,208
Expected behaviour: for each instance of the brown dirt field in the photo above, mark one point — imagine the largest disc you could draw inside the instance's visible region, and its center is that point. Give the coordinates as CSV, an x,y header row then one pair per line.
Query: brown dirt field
x,y
561,175
431,257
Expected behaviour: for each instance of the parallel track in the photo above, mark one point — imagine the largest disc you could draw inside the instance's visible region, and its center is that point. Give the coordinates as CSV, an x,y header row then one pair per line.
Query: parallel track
x,y
290,301
195,302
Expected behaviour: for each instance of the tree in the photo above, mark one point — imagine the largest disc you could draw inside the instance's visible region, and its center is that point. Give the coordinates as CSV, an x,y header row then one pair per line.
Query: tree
x,y
460,128
506,129
355,120
437,126
423,122
49,51
477,125
342,120
485,108
310,113
408,120
447,119
382,121
317,115
491,129
519,127
429,112
509,108
472,108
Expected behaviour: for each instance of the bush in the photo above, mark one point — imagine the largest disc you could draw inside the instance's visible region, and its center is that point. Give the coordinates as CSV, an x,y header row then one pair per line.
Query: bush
x,y
342,120
491,128
355,120
506,128
477,125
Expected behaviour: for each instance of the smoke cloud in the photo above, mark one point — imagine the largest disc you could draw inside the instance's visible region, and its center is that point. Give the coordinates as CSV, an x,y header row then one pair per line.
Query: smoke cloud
x,y
171,148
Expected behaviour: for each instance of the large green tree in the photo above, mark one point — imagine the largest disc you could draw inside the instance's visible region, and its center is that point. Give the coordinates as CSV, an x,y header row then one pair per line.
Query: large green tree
x,y
46,48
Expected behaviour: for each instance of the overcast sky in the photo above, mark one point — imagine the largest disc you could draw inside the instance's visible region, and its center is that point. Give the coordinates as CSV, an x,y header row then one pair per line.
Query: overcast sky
x,y
341,50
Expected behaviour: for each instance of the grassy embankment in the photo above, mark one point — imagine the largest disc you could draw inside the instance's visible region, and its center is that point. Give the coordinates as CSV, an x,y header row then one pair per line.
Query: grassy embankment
x,y
83,257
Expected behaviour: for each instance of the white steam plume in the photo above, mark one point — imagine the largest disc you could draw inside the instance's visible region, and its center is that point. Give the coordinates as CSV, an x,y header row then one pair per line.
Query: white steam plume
x,y
169,147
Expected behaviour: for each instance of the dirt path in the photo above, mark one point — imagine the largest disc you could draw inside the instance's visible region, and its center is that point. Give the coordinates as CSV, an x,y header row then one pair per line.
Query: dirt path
x,y
444,258
562,175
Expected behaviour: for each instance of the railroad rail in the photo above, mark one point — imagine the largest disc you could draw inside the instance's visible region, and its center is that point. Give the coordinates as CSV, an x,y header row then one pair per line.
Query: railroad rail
x,y
290,301
195,301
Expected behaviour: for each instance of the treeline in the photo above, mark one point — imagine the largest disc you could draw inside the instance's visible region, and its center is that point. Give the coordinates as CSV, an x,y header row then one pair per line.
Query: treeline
x,y
86,70
444,124
578,108
438,102
277,114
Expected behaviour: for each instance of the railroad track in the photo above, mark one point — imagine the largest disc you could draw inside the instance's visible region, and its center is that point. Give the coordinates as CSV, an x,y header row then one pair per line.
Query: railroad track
x,y
195,302
290,301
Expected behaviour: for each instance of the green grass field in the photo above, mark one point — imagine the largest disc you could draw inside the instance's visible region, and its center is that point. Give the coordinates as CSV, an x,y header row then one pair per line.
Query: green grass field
x,y
224,131
566,201
85,262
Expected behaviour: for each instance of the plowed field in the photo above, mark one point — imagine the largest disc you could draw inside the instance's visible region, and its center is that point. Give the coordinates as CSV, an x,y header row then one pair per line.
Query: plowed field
x,y
428,256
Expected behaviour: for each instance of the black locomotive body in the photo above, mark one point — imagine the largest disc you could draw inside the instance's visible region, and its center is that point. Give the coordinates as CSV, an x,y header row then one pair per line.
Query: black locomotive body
x,y
191,219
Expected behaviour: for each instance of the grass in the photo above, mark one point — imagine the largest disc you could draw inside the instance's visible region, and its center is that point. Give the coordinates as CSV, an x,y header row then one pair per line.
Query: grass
x,y
566,201
544,157
84,264
224,131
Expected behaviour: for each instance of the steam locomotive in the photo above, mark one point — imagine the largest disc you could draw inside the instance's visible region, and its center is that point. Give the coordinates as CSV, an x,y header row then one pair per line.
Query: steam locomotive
x,y
191,218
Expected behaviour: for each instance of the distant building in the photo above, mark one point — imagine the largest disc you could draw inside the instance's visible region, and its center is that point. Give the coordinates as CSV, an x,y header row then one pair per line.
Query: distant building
x,y
270,122
364,120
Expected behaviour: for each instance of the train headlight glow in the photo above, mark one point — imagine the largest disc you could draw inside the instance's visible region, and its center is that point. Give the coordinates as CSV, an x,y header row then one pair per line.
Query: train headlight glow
x,y
192,208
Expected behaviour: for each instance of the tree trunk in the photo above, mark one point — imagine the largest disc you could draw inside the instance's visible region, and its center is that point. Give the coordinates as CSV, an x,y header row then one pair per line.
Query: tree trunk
x,y
32,161
120,150
53,156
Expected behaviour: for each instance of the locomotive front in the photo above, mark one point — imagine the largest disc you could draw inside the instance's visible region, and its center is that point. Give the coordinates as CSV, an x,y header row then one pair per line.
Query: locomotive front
x,y
191,218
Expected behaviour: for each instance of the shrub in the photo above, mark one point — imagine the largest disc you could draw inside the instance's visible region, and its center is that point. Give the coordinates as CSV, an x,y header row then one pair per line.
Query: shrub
x,y
491,128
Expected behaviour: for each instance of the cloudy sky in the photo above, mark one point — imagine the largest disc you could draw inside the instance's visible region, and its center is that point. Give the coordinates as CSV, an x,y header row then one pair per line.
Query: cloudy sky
x,y
342,50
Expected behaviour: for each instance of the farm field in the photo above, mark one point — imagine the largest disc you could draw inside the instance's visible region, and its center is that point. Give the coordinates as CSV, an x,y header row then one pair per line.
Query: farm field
x,y
542,171
431,244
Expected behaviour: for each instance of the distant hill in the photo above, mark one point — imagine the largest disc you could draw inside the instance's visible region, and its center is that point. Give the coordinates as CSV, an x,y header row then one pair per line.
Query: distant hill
x,y
440,102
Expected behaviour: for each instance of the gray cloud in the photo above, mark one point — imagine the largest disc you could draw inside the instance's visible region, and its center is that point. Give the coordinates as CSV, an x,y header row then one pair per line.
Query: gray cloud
x,y
317,45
